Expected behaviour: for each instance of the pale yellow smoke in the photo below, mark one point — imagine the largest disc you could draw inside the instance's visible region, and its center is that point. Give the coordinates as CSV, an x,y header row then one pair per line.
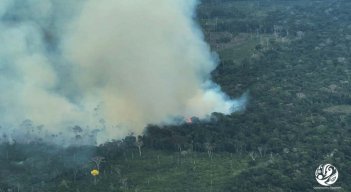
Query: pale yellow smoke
x,y
115,65
145,60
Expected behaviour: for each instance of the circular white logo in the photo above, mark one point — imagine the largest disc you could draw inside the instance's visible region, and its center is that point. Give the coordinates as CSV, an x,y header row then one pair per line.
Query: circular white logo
x,y
327,174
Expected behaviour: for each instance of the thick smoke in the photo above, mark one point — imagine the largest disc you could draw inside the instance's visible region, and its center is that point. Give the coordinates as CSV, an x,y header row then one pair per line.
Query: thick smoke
x,y
102,69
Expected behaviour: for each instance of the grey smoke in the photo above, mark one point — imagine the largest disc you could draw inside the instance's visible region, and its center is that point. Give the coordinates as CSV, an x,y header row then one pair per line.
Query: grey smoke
x,y
112,66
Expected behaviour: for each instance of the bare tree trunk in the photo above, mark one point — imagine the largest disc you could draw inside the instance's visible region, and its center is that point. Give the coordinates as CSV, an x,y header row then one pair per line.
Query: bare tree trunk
x,y
139,147
75,172
252,155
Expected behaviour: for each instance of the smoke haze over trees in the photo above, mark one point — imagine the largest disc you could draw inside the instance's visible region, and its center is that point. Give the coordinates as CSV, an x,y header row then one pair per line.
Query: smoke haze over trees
x,y
110,67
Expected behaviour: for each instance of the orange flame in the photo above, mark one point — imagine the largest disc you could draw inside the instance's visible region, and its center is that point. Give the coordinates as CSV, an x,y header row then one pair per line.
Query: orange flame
x,y
189,120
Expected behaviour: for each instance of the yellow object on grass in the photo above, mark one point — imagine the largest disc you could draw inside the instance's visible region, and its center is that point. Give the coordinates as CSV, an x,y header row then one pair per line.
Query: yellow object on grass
x,y
94,172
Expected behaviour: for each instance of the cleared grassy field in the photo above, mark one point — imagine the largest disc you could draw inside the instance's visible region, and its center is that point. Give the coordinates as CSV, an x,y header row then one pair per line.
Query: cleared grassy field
x,y
166,172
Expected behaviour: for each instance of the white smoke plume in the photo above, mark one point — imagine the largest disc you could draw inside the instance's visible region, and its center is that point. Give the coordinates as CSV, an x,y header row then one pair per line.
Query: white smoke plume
x,y
110,65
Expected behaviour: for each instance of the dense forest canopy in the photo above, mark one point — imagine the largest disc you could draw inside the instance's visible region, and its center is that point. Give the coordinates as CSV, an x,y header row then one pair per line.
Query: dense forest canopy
x,y
293,60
